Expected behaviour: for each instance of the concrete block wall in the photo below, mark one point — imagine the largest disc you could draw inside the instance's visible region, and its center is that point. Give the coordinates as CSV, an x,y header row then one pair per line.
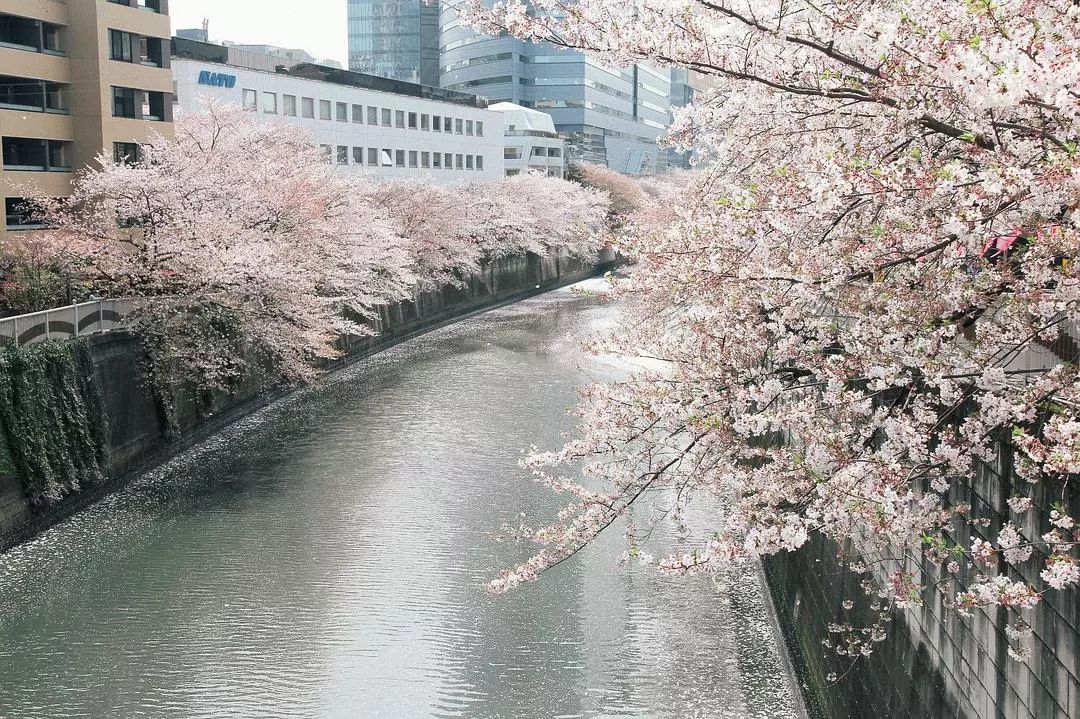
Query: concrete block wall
x,y
935,663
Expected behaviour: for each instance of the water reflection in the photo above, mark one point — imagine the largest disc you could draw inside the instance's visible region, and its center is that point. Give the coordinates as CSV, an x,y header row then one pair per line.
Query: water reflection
x,y
325,559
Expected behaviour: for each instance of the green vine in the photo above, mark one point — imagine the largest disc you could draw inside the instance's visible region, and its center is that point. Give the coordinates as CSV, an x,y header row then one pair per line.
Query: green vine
x,y
53,418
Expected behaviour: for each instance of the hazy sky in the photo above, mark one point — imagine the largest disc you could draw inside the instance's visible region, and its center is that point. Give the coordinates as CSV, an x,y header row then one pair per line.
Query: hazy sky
x,y
318,26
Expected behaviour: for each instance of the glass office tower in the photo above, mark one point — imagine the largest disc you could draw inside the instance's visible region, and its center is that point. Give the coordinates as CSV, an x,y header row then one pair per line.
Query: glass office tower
x,y
609,116
395,38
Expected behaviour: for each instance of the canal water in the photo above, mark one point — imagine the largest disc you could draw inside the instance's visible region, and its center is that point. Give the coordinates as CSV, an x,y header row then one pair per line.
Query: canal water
x,y
326,558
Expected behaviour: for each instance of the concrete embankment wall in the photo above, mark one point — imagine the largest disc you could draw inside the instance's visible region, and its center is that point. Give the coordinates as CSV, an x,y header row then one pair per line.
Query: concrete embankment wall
x,y
935,664
138,429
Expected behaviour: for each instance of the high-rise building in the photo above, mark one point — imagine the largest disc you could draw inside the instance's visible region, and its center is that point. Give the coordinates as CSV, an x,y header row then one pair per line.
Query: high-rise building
x,y
687,87
610,116
77,78
398,39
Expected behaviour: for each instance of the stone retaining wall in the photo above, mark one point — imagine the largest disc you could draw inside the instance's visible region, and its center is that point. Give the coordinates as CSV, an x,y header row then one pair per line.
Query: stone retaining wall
x,y
138,441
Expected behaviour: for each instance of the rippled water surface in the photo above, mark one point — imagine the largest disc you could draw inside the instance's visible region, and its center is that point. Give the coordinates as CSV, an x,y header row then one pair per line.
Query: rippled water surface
x,y
325,558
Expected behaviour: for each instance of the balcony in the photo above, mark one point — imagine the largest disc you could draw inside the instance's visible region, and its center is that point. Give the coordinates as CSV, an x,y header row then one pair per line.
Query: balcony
x,y
129,47
22,33
21,93
158,6
141,104
27,154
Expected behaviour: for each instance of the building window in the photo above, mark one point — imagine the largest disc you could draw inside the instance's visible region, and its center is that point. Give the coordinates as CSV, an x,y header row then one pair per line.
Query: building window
x,y
342,112
308,107
358,155
386,117
554,152
412,158
358,113
458,163
511,173
120,46
448,161
327,152
479,128
425,122
399,118
468,127
251,100
446,125
37,95
288,105
425,159
19,214
372,115
125,153
324,110
468,162
23,33
457,126
373,156
412,120
387,158
399,158
539,152
436,160
342,155
34,154
270,103
479,162
511,153
436,123
123,102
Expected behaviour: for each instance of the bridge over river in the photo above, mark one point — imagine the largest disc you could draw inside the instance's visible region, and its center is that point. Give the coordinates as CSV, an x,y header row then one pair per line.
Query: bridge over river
x,y
325,558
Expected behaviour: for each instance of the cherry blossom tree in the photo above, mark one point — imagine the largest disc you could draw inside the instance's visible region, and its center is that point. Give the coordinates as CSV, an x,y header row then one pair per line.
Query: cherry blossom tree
x,y
237,239
241,229
452,229
867,291
625,193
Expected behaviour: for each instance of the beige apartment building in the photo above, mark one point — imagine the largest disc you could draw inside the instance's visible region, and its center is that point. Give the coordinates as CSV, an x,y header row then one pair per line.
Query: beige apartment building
x,y
77,78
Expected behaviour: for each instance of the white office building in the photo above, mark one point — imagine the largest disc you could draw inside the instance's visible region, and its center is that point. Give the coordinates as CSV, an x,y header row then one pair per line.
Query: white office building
x,y
363,123
530,141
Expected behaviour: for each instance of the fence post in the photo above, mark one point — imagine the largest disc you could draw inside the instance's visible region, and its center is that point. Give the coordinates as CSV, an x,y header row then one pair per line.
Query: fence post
x,y
101,315
75,319
15,322
48,328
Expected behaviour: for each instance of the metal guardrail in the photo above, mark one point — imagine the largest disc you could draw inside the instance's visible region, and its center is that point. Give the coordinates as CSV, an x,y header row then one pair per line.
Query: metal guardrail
x,y
62,323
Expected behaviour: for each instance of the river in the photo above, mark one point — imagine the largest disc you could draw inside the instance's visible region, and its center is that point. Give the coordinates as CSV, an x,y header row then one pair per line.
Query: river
x,y
326,557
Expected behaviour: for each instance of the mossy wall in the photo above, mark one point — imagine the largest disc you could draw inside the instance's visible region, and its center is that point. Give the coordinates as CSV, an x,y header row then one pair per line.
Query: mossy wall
x,y
78,418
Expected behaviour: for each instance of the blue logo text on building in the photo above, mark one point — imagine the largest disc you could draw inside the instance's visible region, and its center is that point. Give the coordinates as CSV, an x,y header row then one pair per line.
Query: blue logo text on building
x,y
217,79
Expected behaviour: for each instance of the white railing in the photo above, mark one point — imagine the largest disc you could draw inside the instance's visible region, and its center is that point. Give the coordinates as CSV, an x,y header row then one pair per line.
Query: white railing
x,y
62,323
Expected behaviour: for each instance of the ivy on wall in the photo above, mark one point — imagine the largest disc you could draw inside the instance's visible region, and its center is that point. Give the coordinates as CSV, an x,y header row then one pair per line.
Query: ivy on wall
x,y
53,419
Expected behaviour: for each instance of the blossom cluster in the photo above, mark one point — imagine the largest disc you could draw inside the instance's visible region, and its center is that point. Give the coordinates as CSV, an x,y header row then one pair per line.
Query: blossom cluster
x,y
866,290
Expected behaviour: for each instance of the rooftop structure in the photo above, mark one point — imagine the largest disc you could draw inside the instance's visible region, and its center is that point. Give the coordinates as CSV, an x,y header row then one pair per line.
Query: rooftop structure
x,y
530,141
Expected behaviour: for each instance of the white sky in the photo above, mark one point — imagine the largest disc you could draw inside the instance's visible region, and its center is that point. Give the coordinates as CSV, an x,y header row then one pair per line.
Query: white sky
x,y
318,26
